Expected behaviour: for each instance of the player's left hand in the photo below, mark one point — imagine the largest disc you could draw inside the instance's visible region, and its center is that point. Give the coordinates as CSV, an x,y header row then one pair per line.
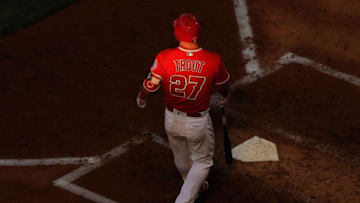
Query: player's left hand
x,y
140,101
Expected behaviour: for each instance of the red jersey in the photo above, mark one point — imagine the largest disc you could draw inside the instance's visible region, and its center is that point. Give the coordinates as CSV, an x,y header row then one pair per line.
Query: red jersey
x,y
187,77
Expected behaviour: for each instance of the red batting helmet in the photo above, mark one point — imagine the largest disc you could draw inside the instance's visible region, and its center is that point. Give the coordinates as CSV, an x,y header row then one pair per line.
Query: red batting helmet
x,y
186,28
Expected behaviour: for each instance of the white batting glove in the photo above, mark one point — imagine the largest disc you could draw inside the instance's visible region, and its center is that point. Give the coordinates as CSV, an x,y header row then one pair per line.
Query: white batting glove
x,y
141,102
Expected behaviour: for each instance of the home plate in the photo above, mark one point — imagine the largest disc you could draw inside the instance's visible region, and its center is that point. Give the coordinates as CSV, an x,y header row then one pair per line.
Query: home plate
x,y
256,149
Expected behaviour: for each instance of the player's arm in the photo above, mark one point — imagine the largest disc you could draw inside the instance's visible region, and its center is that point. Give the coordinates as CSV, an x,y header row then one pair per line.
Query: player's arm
x,y
222,84
223,89
221,94
150,85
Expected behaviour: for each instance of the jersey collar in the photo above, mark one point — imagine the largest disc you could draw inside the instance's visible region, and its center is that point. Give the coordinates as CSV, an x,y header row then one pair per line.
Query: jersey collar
x,y
189,50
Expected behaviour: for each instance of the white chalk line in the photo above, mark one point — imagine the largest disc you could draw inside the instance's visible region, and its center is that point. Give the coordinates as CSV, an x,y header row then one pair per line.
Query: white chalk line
x,y
89,164
48,162
324,69
286,59
254,72
87,194
289,58
252,63
249,52
65,182
246,36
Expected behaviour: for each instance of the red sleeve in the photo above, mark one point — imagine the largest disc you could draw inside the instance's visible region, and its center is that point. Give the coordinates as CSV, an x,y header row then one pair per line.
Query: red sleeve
x,y
222,75
157,69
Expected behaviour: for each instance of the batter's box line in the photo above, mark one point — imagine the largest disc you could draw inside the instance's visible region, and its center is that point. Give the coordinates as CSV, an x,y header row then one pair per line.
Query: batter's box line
x,y
65,182
48,161
289,58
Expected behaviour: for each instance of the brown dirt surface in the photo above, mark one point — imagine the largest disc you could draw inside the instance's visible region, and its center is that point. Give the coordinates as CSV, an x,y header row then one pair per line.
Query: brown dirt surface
x,y
325,31
34,184
68,86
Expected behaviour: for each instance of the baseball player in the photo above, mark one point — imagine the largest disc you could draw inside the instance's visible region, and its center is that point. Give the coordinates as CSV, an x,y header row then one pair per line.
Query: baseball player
x,y
187,75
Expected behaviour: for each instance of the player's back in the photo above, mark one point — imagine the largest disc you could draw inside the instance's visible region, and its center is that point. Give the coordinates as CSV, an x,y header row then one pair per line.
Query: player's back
x,y
187,77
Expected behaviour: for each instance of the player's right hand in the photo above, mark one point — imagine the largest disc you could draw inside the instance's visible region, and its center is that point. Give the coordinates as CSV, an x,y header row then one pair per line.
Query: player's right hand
x,y
141,102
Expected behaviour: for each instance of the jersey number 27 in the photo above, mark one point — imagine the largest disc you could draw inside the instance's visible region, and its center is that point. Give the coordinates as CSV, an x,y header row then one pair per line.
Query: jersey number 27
x,y
189,88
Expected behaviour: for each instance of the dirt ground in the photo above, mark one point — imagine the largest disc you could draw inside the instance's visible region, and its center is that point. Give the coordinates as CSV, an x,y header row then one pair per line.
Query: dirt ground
x,y
68,86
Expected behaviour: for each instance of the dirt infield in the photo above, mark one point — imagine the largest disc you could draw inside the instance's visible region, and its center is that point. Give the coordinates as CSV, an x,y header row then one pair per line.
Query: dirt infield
x,y
68,86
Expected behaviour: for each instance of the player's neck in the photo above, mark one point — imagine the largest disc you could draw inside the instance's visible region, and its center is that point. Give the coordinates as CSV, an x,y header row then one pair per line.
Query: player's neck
x,y
188,45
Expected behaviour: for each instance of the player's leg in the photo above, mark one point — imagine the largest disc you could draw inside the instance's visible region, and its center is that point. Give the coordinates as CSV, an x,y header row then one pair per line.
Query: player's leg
x,y
178,143
194,180
182,158
201,142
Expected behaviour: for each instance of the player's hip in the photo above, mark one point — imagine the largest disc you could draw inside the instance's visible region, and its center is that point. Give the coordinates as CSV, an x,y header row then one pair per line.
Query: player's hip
x,y
178,122
188,106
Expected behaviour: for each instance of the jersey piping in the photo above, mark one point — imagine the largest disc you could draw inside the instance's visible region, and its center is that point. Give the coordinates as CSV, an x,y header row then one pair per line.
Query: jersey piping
x,y
189,50
223,82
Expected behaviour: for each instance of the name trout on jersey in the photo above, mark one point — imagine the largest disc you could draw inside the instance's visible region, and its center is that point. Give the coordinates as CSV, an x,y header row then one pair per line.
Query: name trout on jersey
x,y
195,66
